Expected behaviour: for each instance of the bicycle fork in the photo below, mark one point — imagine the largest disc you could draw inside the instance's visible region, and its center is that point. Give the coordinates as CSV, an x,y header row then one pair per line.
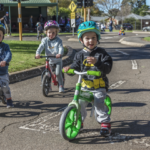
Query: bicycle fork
x,y
52,75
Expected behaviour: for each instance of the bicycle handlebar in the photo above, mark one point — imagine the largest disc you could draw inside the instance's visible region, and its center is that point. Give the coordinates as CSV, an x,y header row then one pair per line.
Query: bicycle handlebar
x,y
51,56
93,73
7,64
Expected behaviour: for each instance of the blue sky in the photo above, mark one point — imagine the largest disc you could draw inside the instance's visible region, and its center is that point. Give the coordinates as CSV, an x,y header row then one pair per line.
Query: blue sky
x,y
148,2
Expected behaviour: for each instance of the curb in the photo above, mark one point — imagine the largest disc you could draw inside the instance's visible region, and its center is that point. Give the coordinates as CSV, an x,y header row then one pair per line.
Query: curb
x,y
73,39
122,41
141,32
28,73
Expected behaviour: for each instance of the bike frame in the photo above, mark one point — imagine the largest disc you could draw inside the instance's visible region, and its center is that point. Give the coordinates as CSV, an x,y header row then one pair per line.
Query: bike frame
x,y
79,94
86,96
48,68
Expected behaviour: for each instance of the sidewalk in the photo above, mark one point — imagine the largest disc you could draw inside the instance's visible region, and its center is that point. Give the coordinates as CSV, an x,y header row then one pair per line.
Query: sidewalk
x,y
135,41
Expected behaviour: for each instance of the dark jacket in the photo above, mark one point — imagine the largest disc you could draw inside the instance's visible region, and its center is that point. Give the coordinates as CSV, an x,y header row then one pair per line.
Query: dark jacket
x,y
103,64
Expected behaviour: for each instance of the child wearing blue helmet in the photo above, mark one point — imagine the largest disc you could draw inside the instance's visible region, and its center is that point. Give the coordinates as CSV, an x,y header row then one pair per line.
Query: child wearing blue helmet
x,y
93,58
5,57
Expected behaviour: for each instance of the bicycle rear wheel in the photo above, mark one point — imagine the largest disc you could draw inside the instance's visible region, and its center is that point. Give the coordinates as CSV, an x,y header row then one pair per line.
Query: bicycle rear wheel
x,y
67,127
46,82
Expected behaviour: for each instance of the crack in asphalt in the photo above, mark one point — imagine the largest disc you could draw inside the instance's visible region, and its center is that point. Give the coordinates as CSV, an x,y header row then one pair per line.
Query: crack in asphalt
x,y
3,129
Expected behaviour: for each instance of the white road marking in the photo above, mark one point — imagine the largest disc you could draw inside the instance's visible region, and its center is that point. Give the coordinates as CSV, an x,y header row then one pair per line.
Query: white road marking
x,y
106,37
115,85
134,64
122,52
42,124
45,124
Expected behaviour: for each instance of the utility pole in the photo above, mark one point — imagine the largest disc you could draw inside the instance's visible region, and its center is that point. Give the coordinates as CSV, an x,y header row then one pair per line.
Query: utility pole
x,y
19,17
84,10
88,14
20,20
85,3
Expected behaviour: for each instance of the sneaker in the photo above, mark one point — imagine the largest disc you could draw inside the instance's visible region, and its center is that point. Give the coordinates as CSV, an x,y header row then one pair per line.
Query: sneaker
x,y
9,103
81,129
105,129
61,89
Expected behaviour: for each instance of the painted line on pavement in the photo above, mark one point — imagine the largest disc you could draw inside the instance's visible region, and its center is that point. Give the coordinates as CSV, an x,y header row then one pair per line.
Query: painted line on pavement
x,y
44,124
134,64
41,122
115,85
122,52
106,37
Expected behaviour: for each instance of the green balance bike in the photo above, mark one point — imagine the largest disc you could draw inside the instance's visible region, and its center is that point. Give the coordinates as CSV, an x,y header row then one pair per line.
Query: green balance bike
x,y
70,121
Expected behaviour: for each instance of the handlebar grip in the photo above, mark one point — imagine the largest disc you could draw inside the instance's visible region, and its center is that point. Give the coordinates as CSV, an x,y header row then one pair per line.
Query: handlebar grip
x,y
70,71
94,73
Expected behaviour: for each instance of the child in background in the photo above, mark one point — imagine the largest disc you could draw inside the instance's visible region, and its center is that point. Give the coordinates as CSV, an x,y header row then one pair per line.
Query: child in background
x,y
121,32
5,57
53,46
39,30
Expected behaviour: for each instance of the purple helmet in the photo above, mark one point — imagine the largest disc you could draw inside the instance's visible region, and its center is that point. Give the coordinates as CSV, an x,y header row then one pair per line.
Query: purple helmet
x,y
51,23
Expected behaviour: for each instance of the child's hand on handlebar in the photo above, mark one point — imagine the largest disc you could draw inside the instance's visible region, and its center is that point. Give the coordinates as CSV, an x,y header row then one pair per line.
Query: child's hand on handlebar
x,y
66,68
37,56
91,60
58,55
3,63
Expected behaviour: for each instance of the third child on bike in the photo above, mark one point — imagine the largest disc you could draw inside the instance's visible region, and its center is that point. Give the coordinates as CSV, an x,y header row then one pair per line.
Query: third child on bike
x,y
53,46
93,58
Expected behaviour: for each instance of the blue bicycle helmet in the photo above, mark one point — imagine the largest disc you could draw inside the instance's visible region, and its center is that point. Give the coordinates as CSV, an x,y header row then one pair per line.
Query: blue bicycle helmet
x,y
2,27
88,26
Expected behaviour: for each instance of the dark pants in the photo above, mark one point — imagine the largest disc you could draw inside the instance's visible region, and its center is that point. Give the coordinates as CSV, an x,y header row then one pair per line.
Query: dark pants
x,y
110,28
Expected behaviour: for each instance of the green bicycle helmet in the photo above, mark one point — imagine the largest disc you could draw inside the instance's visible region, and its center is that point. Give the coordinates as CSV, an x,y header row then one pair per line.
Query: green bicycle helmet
x,y
88,26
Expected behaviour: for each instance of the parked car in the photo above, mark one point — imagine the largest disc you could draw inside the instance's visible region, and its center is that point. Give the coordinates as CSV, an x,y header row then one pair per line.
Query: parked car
x,y
127,26
146,28
117,27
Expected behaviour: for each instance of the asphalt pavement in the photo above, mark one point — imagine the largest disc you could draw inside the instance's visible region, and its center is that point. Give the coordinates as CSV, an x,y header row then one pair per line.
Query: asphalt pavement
x,y
33,122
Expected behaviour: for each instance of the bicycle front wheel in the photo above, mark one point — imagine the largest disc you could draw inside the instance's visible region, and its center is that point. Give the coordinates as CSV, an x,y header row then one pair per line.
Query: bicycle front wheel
x,y
46,82
67,127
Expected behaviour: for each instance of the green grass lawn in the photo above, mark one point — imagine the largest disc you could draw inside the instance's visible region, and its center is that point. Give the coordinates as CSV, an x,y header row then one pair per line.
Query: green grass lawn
x,y
147,39
35,34
23,53
64,33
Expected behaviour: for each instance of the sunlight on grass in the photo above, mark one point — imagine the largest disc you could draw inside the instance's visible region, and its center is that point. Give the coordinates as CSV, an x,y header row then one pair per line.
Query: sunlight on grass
x,y
147,39
23,53
35,34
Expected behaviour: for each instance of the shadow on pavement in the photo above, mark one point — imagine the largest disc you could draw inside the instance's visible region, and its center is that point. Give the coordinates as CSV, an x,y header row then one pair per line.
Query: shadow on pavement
x,y
124,130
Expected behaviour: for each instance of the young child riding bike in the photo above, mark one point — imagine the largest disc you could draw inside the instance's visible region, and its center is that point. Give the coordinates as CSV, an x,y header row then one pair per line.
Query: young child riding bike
x,y
93,58
121,31
5,57
53,46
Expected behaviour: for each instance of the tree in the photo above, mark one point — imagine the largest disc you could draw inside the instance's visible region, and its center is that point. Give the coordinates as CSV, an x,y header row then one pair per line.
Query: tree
x,y
113,12
134,22
124,11
62,11
109,7
143,9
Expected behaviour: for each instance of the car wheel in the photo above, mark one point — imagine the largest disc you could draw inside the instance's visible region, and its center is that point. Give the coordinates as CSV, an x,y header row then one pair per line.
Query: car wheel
x,y
126,29
145,30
